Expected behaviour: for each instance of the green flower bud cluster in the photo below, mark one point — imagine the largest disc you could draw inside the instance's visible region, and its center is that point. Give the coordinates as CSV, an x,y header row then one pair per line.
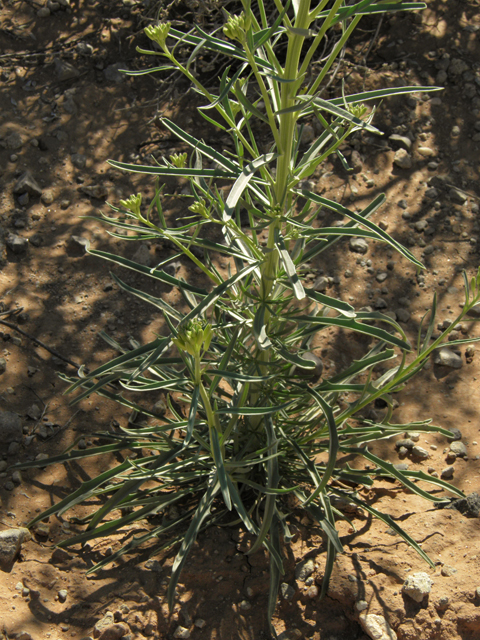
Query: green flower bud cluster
x,y
158,33
200,208
133,204
358,110
237,26
194,337
179,160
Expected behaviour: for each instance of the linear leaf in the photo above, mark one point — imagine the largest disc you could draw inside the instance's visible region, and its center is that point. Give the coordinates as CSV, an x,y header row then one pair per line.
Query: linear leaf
x,y
192,414
254,411
242,181
201,513
205,149
156,302
219,291
389,521
381,93
353,325
240,377
220,467
333,303
289,266
259,328
362,219
187,172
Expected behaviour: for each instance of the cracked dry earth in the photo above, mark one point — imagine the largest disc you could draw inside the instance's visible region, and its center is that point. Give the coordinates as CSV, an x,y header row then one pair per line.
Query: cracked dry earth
x,y
64,110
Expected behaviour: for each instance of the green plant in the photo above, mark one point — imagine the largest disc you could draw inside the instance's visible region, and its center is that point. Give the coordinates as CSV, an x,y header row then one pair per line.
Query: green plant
x,y
241,359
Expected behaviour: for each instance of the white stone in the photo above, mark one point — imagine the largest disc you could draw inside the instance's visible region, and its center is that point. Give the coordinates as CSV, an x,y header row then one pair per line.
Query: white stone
x,y
417,586
377,627
402,159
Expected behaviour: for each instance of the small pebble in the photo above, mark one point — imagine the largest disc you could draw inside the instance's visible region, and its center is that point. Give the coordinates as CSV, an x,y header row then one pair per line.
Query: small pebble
x,y
447,473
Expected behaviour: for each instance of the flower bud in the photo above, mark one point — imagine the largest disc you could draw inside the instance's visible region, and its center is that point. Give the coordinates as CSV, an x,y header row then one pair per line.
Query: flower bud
x,y
179,160
158,33
133,204
194,337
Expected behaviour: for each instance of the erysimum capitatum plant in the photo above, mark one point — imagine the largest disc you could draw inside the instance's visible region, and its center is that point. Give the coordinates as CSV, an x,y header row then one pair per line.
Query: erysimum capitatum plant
x,y
251,423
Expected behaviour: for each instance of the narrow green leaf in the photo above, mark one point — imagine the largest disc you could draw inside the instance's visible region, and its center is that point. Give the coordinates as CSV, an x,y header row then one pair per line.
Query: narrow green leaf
x,y
186,172
333,303
275,572
249,107
219,291
259,328
201,513
156,302
289,266
222,474
333,443
192,414
242,181
361,218
353,325
240,377
253,411
293,358
365,96
388,520
205,149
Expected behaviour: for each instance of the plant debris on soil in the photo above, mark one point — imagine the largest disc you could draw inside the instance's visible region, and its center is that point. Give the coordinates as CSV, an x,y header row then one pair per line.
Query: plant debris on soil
x,y
65,109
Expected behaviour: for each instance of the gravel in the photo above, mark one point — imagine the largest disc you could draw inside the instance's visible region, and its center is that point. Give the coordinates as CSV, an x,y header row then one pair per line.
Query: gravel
x,y
417,586
377,627
304,569
10,543
402,159
11,427
287,591
445,357
358,245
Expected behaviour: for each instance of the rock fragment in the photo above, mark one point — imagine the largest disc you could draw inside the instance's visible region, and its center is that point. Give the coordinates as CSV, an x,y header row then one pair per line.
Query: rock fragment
x,y
447,473
181,632
97,191
377,627
402,159
359,245
403,315
78,160
142,256
447,358
65,71
62,595
26,183
304,569
11,428
114,631
459,449
457,196
102,624
420,452
468,506
287,591
10,544
417,586
112,73
13,140
77,245
402,141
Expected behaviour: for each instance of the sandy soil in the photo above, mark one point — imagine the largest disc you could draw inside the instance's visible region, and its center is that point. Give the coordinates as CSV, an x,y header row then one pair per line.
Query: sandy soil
x,y
62,123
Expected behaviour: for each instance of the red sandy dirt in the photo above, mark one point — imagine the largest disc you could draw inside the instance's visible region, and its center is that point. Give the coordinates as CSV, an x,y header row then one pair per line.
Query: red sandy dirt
x,y
67,129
